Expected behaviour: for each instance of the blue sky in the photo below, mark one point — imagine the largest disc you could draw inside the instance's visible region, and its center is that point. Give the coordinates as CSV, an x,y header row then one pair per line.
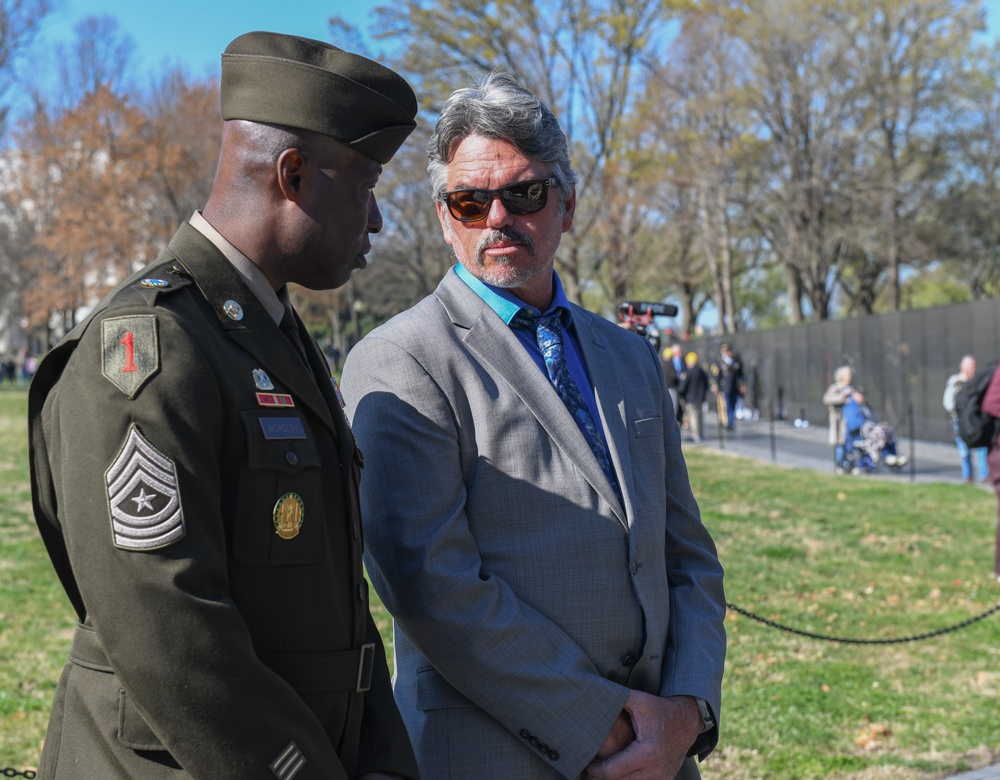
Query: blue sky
x,y
193,33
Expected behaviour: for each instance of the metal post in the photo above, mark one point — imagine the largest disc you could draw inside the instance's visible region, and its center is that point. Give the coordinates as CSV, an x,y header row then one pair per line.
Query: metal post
x,y
718,417
912,424
774,441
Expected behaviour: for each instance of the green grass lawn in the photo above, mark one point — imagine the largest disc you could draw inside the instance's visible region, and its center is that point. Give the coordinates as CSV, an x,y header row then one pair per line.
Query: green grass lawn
x,y
850,558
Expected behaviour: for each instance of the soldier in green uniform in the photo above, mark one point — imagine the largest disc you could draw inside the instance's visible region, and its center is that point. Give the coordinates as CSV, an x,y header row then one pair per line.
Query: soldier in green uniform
x,y
194,477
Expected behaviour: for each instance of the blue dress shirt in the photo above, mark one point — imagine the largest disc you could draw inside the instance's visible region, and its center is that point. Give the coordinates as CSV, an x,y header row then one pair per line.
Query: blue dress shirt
x,y
506,305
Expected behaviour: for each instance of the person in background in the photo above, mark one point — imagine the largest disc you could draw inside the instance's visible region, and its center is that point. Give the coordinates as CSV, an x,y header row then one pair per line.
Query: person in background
x,y
558,603
203,513
673,373
966,370
834,397
727,380
991,405
693,391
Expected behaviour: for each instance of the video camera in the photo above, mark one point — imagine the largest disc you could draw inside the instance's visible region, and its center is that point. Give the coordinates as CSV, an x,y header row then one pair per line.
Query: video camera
x,y
638,315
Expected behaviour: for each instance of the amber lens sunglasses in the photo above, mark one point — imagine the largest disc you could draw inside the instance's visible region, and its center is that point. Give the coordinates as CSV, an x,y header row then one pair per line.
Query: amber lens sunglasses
x,y
520,198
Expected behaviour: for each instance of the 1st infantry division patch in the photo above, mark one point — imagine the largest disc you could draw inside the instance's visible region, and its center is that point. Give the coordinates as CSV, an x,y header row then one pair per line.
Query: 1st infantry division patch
x,y
143,497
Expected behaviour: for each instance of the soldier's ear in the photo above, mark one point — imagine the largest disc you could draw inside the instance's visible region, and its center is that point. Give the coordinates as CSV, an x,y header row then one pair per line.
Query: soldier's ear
x,y
289,169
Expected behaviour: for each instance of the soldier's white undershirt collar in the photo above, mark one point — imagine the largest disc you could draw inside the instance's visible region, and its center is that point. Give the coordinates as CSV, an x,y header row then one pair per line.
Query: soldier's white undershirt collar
x,y
273,302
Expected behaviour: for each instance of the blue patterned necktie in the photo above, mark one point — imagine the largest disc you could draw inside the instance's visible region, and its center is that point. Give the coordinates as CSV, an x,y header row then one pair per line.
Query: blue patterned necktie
x,y
549,335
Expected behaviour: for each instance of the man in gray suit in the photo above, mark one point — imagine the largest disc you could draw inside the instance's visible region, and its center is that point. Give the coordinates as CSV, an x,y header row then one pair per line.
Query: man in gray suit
x,y
558,603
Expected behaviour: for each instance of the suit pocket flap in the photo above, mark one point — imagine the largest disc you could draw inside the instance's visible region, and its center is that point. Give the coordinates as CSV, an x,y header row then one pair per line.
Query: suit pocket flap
x,y
649,426
435,693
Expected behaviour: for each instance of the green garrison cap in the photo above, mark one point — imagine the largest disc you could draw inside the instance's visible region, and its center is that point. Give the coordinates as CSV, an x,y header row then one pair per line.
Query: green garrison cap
x,y
309,85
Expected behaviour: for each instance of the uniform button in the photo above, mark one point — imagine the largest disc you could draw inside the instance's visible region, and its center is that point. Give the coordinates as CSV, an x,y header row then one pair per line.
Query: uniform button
x,y
362,591
292,458
628,659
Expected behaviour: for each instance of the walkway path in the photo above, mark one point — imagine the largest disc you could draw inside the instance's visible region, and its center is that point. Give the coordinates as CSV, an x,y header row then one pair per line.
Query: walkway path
x,y
782,443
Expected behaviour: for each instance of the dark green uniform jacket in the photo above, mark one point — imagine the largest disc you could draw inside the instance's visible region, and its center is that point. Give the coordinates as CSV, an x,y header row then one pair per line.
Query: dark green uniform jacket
x,y
196,486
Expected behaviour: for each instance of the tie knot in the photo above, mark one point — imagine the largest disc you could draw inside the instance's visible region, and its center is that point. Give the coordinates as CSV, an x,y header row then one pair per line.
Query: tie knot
x,y
528,320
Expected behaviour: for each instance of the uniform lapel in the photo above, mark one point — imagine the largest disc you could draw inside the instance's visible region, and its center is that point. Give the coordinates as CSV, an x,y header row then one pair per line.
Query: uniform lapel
x,y
254,331
495,344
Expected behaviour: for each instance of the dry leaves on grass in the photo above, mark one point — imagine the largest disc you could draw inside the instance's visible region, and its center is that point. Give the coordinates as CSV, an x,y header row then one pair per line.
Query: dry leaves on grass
x,y
873,736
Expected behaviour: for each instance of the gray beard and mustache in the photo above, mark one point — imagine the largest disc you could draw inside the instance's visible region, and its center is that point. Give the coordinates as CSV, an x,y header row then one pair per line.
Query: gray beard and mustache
x,y
505,273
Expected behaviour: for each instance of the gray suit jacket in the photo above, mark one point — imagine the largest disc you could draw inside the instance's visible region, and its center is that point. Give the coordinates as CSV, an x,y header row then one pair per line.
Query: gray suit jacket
x,y
527,600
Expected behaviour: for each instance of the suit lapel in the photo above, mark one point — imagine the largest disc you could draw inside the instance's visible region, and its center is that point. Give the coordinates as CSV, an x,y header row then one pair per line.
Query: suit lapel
x,y
255,331
496,345
608,388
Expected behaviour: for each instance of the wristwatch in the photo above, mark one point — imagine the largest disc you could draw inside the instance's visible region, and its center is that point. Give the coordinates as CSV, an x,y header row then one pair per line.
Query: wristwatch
x,y
708,722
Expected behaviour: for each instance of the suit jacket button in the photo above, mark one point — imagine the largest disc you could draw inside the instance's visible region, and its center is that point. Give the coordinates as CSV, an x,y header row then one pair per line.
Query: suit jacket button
x,y
635,567
525,734
554,755
628,659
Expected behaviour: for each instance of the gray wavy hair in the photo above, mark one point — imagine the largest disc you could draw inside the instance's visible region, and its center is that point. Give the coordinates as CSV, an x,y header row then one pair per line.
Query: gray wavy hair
x,y
499,107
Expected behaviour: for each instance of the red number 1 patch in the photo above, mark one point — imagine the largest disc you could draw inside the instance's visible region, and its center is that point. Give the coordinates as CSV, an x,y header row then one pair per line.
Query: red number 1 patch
x,y
129,342
129,368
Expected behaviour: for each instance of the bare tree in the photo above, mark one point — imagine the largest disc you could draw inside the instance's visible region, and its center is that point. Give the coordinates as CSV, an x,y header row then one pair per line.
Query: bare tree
x,y
587,59
20,21
100,57
800,90
910,55
964,226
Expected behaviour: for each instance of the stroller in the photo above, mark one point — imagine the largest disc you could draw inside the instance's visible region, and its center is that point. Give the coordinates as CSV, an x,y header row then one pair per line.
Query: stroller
x,y
870,443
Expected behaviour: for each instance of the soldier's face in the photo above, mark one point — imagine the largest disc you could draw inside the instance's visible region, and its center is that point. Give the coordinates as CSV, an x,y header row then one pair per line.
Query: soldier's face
x,y
337,212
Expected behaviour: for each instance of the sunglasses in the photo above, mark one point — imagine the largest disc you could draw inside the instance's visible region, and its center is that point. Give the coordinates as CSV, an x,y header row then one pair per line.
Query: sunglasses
x,y
520,198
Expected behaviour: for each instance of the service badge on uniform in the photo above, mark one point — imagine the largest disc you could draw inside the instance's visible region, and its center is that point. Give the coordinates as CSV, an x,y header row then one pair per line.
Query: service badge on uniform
x,y
233,310
289,512
130,351
143,496
261,380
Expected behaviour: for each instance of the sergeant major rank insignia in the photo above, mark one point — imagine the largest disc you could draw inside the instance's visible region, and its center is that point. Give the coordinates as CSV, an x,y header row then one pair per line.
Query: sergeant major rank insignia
x,y
143,496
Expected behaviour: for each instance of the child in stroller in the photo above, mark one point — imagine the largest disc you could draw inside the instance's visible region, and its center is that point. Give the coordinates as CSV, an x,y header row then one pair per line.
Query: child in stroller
x,y
869,442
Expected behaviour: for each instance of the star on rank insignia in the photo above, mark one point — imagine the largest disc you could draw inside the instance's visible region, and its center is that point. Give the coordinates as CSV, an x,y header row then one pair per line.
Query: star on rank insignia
x,y
143,497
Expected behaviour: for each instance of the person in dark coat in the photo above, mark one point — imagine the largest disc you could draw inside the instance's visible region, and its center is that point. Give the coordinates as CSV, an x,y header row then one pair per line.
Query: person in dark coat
x,y
202,509
728,382
693,390
673,371
991,405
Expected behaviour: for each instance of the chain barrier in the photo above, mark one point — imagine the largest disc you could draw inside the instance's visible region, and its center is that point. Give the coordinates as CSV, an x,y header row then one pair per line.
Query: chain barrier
x,y
10,772
856,641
